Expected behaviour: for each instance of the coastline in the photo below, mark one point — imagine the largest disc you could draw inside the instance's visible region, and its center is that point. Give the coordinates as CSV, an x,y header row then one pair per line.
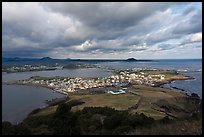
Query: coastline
x,y
10,72
159,84
175,88
45,103
36,85
171,80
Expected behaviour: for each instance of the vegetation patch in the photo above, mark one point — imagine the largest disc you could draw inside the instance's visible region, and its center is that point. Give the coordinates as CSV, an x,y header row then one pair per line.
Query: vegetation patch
x,y
100,121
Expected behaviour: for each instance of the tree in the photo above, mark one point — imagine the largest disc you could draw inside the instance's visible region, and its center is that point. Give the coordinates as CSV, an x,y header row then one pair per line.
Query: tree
x,y
195,95
62,109
7,128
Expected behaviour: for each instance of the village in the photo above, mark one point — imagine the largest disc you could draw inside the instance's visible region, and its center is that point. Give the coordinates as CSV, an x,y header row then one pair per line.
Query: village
x,y
119,80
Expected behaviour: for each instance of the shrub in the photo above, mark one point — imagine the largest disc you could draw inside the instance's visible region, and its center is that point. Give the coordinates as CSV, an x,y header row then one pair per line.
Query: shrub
x,y
62,109
122,130
7,128
35,111
22,129
165,120
195,95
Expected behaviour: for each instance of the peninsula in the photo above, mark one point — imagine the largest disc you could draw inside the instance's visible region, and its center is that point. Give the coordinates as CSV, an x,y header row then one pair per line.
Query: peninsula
x,y
149,77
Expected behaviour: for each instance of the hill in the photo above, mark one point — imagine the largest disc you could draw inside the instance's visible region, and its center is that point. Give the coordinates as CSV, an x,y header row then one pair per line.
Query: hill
x,y
46,58
131,59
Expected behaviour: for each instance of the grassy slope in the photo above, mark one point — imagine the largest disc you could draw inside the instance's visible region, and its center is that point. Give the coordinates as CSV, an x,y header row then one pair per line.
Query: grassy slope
x,y
149,95
185,127
120,102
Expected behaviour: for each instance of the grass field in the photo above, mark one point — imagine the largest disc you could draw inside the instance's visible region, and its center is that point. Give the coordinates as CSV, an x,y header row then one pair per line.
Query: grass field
x,y
120,102
148,95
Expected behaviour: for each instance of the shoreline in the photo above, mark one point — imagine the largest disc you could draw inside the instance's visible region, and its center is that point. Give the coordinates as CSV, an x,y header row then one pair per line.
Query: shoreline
x,y
156,84
35,85
175,88
10,72
65,93
44,104
171,80
179,89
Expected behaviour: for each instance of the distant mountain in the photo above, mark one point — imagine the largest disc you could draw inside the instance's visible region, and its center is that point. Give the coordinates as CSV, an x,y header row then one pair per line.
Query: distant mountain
x,y
46,58
131,59
137,60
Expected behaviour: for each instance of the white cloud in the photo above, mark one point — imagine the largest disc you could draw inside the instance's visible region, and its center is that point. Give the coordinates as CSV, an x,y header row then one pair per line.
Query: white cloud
x,y
138,47
86,45
196,37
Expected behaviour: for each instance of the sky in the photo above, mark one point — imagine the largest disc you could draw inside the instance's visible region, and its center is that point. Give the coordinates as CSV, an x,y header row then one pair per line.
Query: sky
x,y
102,30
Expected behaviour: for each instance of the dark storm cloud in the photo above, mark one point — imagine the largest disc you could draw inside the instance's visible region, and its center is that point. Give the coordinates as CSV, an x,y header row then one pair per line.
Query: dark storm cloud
x,y
62,28
104,15
193,25
108,19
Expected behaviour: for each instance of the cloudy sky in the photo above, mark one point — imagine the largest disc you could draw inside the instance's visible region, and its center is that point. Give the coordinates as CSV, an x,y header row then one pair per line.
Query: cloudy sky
x,y
102,30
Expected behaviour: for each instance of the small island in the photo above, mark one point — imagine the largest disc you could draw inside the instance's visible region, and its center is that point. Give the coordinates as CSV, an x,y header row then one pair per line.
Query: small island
x,y
131,59
136,60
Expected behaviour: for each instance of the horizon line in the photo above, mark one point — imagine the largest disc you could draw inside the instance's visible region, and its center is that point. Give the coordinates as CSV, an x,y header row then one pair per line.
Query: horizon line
x,y
101,58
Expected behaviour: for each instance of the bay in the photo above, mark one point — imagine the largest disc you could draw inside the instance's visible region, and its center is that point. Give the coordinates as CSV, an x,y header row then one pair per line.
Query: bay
x,y
18,101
